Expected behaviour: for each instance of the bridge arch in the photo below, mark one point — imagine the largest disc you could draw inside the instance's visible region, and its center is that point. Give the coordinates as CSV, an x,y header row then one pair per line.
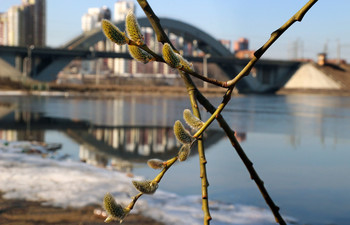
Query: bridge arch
x,y
206,43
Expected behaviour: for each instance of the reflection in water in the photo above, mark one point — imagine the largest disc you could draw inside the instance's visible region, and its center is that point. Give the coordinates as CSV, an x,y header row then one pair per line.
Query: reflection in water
x,y
296,117
102,146
22,135
121,146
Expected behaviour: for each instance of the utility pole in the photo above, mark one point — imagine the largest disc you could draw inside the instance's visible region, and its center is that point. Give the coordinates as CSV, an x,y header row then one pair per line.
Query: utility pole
x,y
205,68
338,51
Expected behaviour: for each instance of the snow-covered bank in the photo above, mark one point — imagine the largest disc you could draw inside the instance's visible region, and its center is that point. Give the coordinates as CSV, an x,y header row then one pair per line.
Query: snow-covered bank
x,y
75,184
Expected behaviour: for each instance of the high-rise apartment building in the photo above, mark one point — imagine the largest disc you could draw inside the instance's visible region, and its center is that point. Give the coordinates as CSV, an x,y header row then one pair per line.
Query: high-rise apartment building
x,y
39,21
241,44
3,28
122,66
121,9
92,19
14,26
24,25
241,48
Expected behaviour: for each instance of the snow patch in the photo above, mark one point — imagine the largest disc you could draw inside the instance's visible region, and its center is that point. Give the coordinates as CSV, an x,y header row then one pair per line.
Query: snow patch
x,y
75,184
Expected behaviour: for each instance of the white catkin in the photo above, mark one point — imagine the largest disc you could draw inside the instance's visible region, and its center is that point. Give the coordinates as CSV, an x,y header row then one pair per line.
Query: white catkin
x,y
182,134
192,120
145,186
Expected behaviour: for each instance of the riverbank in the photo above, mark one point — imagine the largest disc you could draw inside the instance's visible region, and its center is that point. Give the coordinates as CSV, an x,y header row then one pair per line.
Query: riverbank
x,y
9,87
21,212
326,92
26,210
110,91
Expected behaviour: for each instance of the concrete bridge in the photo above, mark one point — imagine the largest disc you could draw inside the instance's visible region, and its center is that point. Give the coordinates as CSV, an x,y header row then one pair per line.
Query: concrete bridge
x,y
45,63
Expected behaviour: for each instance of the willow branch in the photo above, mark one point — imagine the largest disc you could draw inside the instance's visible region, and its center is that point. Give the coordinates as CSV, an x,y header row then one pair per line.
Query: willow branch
x,y
246,161
206,79
168,164
191,88
159,58
274,36
157,179
216,113
134,200
155,22
162,37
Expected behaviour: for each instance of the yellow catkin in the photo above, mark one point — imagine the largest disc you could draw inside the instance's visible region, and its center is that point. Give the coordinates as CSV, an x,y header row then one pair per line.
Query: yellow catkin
x,y
145,186
133,28
192,120
155,163
184,152
139,54
114,210
170,57
184,63
182,134
113,33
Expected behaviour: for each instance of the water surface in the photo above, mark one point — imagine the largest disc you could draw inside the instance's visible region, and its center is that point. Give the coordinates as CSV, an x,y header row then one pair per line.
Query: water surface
x,y
299,145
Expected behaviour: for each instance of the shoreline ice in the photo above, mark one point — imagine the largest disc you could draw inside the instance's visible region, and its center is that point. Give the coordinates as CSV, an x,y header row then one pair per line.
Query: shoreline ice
x,y
76,184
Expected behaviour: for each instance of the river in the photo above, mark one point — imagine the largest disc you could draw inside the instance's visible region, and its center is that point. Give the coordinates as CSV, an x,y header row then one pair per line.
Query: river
x,y
299,145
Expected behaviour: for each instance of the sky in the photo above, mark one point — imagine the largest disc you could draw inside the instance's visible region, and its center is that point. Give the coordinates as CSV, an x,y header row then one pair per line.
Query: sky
x,y
323,27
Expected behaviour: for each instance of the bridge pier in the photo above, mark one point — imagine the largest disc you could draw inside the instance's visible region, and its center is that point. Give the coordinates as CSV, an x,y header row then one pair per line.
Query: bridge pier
x,y
19,62
23,62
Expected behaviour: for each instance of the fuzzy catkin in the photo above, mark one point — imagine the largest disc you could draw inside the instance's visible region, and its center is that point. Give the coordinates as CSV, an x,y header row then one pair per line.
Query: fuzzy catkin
x,y
155,163
182,134
114,210
170,57
133,28
184,63
139,54
145,186
184,152
192,120
113,33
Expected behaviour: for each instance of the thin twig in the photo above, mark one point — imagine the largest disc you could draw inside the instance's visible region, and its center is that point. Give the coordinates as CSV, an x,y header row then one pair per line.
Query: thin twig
x,y
249,165
157,179
159,58
155,22
274,36
206,79
215,114
168,164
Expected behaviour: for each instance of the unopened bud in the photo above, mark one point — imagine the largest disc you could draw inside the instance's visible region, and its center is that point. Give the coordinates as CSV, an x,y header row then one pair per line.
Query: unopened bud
x,y
156,163
113,33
